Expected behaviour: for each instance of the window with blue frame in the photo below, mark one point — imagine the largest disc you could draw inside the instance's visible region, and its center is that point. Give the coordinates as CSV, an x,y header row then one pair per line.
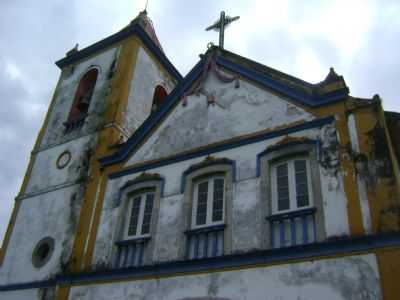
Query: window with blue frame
x,y
139,213
208,202
207,187
292,219
205,238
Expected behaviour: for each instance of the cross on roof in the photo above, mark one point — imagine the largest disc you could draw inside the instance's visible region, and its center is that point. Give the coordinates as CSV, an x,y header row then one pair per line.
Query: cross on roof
x,y
220,25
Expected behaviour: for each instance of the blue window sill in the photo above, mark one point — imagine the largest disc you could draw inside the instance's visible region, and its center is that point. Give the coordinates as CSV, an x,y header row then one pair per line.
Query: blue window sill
x,y
138,240
207,229
292,214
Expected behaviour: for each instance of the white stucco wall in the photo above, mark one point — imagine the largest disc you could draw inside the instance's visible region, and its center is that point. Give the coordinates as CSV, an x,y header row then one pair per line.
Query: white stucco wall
x,y
147,75
248,213
238,111
32,294
354,278
45,173
66,93
47,215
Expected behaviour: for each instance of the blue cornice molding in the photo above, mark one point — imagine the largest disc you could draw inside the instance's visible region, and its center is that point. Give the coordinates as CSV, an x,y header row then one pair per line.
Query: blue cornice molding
x,y
311,100
275,148
136,181
207,163
262,258
133,29
223,146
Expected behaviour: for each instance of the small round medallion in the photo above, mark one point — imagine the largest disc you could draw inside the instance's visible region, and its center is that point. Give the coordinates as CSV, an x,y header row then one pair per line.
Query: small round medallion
x,y
64,159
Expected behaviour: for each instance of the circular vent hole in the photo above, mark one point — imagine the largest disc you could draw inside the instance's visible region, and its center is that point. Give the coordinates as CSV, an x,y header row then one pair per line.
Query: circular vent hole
x,y
42,252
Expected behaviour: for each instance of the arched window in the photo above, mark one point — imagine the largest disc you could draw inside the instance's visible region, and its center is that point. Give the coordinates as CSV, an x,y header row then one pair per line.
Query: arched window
x,y
139,208
207,189
158,98
82,99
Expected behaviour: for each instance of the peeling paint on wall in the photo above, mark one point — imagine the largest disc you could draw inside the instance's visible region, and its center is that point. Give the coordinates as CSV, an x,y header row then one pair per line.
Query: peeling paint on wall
x,y
147,75
237,112
354,278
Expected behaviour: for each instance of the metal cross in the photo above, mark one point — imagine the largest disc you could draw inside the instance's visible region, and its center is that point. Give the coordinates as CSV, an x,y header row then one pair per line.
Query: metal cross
x,y
220,26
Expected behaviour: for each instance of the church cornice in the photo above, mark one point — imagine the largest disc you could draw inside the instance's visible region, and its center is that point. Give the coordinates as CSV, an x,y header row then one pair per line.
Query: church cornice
x,y
134,29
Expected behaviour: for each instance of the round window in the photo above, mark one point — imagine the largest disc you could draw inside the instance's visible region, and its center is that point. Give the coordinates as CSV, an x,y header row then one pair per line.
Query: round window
x,y
63,160
42,252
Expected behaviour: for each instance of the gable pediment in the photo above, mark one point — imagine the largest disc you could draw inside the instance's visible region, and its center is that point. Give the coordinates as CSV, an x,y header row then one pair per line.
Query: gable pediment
x,y
223,99
218,111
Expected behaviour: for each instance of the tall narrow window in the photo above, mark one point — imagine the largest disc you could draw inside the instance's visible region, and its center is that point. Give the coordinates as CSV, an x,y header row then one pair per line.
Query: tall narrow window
x,y
208,204
139,215
293,217
83,96
158,98
291,185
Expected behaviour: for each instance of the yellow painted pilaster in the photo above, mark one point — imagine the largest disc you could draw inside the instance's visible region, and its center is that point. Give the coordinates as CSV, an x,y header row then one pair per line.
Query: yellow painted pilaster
x,y
393,158
62,293
95,189
350,179
382,192
95,222
365,122
389,272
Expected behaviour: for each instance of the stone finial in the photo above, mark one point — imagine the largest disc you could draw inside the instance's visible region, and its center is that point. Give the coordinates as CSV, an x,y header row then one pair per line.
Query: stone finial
x,y
377,98
73,50
332,75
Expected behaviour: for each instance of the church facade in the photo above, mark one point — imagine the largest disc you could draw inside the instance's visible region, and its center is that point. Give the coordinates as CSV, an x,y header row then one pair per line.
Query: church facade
x,y
235,182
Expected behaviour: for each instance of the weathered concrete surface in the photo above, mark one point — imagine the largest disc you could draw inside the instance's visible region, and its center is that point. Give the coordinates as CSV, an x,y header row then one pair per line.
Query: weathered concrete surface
x,y
51,214
45,173
21,295
147,75
237,111
248,204
54,133
350,278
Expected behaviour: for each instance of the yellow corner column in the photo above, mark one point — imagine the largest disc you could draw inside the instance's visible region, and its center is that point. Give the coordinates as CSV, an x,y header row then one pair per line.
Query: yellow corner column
x,y
382,192
93,202
389,272
349,175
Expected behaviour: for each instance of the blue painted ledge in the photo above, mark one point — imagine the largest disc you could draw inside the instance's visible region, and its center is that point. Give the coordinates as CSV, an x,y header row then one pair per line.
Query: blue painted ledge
x,y
272,256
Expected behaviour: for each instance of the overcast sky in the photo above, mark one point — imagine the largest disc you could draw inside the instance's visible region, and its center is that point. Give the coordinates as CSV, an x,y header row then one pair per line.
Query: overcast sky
x,y
360,39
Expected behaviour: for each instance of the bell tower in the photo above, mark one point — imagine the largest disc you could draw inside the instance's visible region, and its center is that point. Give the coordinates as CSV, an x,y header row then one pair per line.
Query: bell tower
x,y
104,93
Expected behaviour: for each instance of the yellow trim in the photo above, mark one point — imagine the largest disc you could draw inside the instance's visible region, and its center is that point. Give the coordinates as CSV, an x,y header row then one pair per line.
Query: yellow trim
x,y
96,221
117,102
118,98
395,163
62,292
383,196
9,230
389,272
364,123
28,173
349,177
